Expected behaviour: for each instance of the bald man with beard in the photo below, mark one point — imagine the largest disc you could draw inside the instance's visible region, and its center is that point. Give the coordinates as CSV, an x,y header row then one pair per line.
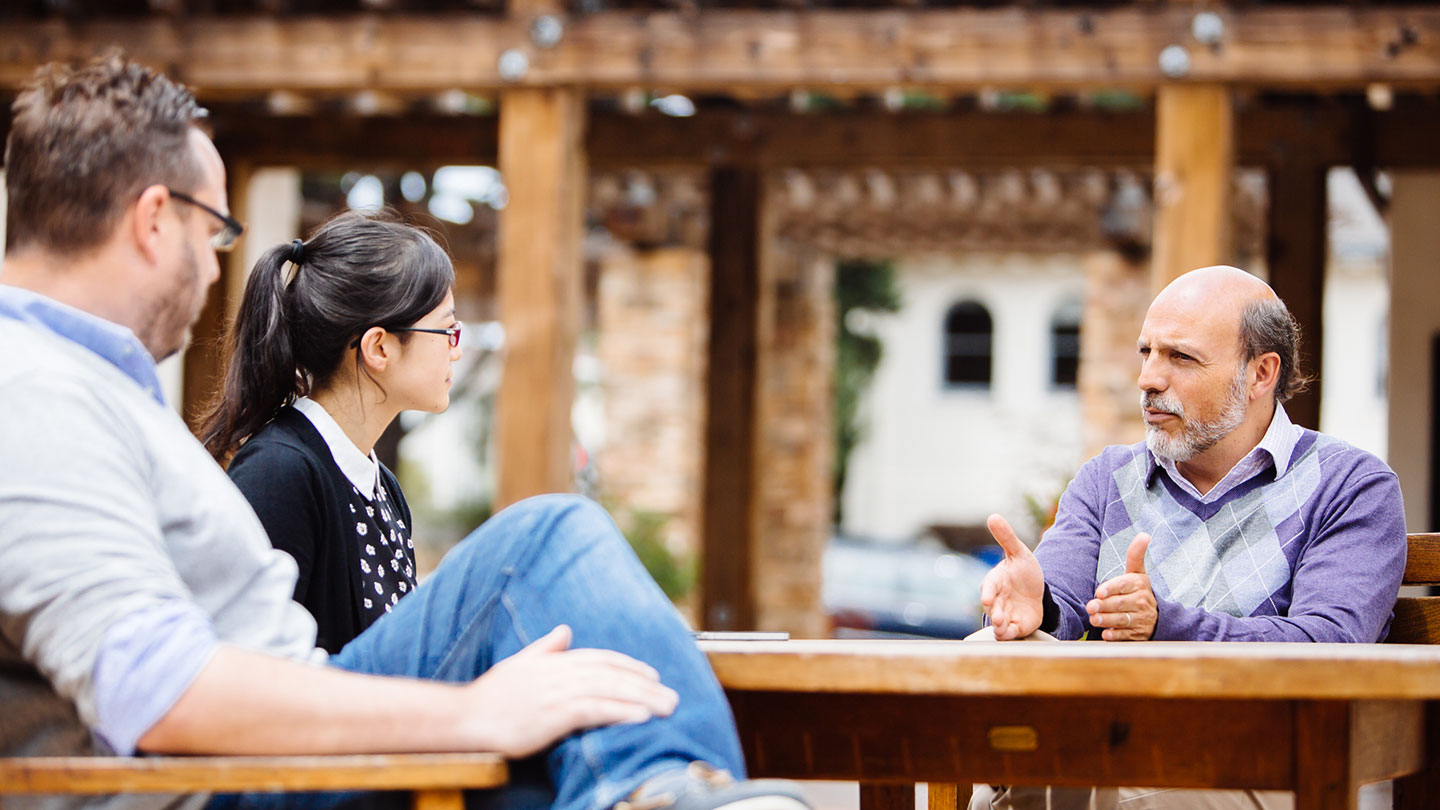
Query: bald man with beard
x,y
1228,523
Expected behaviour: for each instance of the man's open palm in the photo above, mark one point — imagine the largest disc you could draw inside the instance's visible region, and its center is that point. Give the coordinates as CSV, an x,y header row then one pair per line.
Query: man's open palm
x,y
1013,592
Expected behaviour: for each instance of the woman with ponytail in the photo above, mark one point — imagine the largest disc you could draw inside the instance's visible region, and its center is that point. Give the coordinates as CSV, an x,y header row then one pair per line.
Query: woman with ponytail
x,y
335,336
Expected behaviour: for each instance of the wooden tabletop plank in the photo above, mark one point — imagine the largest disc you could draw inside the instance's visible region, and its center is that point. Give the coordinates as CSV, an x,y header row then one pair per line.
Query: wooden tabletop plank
x,y
90,775
1149,669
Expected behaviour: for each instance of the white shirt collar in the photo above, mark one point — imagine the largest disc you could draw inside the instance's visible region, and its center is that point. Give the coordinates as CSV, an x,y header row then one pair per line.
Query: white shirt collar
x,y
362,470
1277,446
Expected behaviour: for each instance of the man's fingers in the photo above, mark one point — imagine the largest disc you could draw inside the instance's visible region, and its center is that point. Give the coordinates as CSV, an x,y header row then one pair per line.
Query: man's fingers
x,y
610,658
1135,555
988,589
1122,585
1005,536
557,640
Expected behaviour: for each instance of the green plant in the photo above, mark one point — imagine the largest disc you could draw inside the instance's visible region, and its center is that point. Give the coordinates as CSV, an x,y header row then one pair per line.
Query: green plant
x,y
866,287
645,531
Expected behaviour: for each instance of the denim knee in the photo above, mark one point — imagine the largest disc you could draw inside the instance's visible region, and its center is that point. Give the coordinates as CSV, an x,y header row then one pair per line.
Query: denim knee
x,y
548,527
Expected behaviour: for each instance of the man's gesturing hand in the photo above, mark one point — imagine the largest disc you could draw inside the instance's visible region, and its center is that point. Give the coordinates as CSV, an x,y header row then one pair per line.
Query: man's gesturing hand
x,y
1125,605
1013,592
548,691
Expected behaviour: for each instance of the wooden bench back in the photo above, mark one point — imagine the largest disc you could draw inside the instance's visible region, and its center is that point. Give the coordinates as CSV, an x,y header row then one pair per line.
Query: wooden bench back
x,y
1417,618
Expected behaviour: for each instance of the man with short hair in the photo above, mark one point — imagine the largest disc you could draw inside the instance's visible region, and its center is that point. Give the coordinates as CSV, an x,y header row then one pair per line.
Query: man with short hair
x,y
1228,523
142,608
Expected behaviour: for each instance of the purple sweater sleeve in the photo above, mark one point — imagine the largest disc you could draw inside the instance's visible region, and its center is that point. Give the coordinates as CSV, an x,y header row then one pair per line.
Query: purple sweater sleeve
x,y
1070,550
1344,584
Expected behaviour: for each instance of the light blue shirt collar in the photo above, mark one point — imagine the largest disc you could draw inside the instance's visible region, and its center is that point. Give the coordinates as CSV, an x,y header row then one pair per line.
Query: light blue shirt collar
x,y
1276,447
113,342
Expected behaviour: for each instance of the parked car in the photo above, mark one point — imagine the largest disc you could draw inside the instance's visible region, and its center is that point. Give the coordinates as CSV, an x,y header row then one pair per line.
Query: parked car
x,y
909,588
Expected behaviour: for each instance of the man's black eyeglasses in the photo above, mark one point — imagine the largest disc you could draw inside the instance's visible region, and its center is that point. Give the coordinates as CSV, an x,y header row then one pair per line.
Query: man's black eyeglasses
x,y
225,239
453,333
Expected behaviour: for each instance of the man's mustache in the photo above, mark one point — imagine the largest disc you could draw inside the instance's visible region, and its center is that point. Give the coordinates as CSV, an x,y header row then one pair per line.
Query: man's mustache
x,y
1152,401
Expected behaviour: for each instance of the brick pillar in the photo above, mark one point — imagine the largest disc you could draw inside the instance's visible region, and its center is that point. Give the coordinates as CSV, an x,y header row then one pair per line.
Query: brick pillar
x,y
653,314
1117,294
795,441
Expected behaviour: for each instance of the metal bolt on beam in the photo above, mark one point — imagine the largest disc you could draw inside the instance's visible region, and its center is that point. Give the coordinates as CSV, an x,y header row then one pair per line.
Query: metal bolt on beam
x,y
546,31
1175,62
1208,27
513,65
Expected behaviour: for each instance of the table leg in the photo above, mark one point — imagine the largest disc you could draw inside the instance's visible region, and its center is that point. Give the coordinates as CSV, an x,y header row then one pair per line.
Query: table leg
x,y
438,799
948,796
1323,779
1421,791
887,796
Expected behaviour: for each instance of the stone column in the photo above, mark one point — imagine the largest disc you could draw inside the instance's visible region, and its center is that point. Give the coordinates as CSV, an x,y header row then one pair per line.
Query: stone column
x,y
795,437
653,317
1117,293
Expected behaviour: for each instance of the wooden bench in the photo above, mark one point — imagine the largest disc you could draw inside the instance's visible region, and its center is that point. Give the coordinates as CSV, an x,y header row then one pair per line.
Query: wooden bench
x,y
1417,618
437,780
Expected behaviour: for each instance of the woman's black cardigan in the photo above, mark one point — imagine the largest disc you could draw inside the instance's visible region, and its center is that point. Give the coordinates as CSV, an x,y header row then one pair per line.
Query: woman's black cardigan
x,y
290,477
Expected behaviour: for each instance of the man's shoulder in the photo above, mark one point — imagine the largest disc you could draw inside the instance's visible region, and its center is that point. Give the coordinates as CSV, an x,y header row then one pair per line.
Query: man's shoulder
x,y
1336,456
46,371
30,351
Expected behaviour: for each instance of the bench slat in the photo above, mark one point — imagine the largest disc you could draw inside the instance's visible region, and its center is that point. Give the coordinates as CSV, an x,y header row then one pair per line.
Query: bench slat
x,y
1417,621
1422,563
92,775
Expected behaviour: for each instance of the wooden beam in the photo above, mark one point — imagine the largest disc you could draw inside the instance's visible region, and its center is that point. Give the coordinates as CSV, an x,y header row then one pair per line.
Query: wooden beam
x,y
539,279
1194,162
1295,255
1329,133
727,596
736,49
348,142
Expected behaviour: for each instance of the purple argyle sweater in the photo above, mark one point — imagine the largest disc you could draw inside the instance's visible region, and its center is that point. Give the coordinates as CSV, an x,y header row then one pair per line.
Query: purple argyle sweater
x,y
1314,553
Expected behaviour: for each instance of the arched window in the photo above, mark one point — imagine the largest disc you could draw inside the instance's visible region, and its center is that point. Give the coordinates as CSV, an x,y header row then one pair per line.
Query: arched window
x,y
969,335
1065,346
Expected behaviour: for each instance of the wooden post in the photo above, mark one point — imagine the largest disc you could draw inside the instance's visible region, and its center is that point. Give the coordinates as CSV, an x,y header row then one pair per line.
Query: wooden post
x,y
886,796
1194,161
727,597
1296,257
539,280
204,360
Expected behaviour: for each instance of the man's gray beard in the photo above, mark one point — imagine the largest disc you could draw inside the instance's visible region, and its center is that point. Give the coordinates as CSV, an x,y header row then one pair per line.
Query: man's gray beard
x,y
1195,436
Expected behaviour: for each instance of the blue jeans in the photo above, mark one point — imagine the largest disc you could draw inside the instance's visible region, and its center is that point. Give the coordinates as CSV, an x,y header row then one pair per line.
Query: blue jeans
x,y
546,561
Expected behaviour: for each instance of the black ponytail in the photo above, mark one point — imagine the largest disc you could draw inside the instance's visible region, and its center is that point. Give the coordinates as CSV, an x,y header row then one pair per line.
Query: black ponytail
x,y
297,318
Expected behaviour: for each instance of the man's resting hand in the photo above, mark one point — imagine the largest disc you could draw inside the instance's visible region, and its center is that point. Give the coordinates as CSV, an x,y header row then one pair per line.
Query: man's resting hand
x,y
1125,605
547,691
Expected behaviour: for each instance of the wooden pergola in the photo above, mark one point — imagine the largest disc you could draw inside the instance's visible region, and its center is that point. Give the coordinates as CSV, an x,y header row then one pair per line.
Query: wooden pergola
x,y
1294,89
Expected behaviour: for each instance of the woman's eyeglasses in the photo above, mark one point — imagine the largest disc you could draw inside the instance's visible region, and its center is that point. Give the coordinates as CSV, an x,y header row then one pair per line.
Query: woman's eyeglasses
x,y
453,332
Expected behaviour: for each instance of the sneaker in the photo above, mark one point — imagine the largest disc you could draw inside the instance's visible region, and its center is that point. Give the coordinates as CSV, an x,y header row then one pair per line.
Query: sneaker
x,y
699,786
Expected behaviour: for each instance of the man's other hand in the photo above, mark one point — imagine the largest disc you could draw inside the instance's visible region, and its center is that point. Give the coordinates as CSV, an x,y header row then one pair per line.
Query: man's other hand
x,y
1013,592
1125,605
547,691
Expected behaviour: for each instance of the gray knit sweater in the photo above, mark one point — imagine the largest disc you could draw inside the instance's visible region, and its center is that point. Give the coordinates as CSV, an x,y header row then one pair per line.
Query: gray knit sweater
x,y
108,506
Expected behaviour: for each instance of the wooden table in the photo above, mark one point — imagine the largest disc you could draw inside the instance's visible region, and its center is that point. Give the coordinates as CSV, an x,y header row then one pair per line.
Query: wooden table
x,y
1318,719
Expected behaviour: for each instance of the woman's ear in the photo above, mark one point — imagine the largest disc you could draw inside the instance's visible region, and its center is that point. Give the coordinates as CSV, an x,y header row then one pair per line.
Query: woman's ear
x,y
375,351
